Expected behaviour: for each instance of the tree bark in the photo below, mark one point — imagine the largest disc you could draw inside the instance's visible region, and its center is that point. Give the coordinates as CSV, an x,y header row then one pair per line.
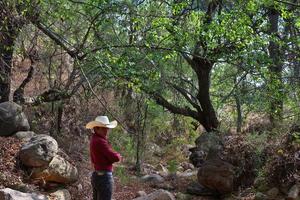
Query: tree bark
x,y
8,34
275,84
207,115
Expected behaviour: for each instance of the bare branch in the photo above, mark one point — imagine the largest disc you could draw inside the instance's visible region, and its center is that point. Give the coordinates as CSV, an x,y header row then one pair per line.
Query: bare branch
x,y
174,109
56,38
187,95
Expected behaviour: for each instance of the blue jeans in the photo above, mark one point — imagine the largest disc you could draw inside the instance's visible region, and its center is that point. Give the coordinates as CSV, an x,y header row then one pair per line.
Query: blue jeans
x,y
102,186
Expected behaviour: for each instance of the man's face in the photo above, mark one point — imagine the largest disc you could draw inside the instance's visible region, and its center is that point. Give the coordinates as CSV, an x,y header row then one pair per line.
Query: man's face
x,y
101,131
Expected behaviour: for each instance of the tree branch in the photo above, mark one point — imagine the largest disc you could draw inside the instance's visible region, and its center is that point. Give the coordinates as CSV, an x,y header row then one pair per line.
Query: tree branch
x,y
173,109
56,38
186,95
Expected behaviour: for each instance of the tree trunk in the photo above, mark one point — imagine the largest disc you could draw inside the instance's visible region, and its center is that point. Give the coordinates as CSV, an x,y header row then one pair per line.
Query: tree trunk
x,y
275,84
7,40
207,116
10,26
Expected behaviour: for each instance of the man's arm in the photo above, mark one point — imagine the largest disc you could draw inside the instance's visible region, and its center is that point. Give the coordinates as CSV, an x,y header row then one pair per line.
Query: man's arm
x,y
107,151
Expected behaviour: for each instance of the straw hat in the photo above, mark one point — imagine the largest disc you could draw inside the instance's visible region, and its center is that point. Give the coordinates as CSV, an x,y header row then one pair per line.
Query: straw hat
x,y
101,121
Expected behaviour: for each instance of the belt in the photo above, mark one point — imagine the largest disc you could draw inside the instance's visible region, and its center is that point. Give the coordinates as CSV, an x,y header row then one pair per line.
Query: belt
x,y
101,173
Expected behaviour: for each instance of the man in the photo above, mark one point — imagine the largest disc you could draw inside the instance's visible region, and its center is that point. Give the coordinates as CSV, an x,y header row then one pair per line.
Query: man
x,y
102,157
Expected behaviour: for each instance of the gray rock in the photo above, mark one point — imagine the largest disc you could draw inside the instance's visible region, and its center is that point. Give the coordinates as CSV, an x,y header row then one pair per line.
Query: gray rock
x,y
61,195
38,151
293,193
181,196
58,171
24,135
260,196
152,178
187,166
272,193
157,195
141,194
187,173
165,186
12,119
9,194
208,145
197,189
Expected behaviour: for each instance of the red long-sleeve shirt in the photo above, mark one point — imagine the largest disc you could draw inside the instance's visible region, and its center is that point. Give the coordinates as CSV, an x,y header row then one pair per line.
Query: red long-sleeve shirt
x,y
102,155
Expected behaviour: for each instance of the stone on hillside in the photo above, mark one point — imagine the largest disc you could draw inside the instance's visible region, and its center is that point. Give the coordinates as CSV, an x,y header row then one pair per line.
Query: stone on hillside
x,y
24,135
152,178
61,195
196,189
59,171
141,194
272,193
154,149
187,173
182,196
187,166
9,194
208,145
38,151
260,196
12,119
157,195
293,193
216,175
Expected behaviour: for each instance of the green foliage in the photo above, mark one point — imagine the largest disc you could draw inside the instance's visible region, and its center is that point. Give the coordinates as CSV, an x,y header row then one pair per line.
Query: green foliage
x,y
122,174
122,143
296,137
172,166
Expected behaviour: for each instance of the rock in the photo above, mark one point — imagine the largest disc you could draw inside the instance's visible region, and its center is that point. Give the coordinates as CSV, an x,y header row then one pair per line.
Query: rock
x,y
79,187
186,166
58,171
293,193
187,173
12,119
24,135
154,149
22,187
181,196
38,151
272,193
141,194
260,196
208,145
157,195
216,175
197,189
162,169
9,194
153,178
260,184
61,195
165,186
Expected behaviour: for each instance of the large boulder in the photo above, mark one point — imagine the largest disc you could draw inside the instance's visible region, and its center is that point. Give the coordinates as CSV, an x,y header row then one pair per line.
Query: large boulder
x,y
157,195
9,194
152,178
12,119
59,171
208,145
61,195
24,135
216,175
38,151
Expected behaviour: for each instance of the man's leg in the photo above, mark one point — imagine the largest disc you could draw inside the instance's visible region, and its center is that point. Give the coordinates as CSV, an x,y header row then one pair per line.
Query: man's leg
x,y
94,186
105,188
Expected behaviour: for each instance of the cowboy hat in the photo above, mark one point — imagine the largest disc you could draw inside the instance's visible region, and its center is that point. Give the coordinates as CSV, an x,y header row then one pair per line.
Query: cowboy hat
x,y
101,121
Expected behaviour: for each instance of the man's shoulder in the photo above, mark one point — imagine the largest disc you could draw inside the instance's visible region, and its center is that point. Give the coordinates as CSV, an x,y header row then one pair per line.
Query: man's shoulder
x,y
98,139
